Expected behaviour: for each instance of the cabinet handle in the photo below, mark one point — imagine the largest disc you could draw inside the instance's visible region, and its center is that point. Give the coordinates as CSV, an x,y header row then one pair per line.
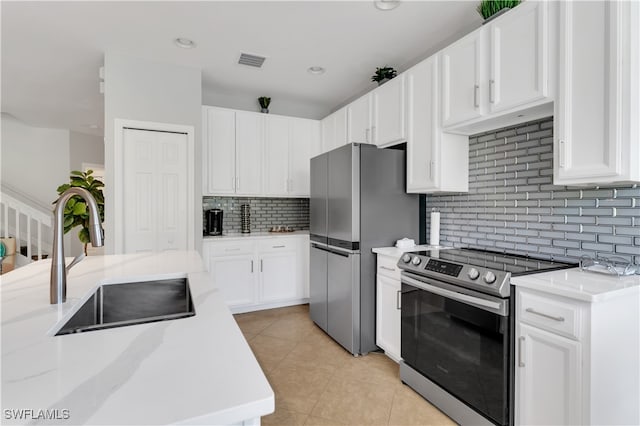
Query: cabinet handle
x,y
252,266
366,135
520,348
277,246
260,265
398,305
373,134
562,148
233,183
238,183
232,249
387,268
475,95
431,170
491,91
551,317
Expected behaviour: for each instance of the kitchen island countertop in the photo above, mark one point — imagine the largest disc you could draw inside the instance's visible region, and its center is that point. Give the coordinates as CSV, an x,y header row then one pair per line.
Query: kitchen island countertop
x,y
197,370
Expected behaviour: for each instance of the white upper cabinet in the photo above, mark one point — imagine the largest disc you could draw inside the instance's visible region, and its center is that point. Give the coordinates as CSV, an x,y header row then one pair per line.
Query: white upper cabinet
x,y
597,111
252,154
389,124
249,154
519,56
499,74
334,130
276,155
219,150
359,120
463,86
436,161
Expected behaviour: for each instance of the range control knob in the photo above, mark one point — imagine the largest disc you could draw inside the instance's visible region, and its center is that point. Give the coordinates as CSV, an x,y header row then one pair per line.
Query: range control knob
x,y
473,274
489,277
406,258
416,260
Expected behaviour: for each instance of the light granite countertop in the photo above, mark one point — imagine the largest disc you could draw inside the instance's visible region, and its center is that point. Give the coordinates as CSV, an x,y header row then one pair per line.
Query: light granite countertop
x,y
197,370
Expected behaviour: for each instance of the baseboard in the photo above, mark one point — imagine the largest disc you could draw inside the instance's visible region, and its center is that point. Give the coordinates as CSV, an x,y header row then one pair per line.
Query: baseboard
x,y
263,306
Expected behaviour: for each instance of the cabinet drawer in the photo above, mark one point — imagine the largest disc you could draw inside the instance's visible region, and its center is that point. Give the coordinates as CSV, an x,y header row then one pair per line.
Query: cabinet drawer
x,y
232,248
387,266
548,313
277,244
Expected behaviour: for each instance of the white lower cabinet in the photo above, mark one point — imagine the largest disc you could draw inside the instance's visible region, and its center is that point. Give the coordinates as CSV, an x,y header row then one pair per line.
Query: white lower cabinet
x,y
548,378
259,273
388,288
575,360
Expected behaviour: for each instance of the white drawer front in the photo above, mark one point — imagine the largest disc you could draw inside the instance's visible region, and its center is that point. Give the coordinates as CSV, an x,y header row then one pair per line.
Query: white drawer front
x,y
387,266
548,313
277,244
232,248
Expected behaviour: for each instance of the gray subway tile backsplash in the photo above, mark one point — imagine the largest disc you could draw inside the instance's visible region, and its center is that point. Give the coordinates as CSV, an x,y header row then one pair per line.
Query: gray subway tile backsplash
x,y
511,169
265,212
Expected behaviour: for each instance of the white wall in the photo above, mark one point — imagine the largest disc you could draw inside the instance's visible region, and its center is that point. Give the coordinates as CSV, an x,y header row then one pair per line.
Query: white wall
x,y
136,89
35,160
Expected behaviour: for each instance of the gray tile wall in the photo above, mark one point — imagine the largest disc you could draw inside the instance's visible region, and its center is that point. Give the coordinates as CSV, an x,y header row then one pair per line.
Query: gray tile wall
x,y
513,206
265,212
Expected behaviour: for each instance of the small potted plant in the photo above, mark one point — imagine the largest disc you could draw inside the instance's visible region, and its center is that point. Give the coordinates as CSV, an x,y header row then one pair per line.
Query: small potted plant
x,y
491,9
384,74
264,104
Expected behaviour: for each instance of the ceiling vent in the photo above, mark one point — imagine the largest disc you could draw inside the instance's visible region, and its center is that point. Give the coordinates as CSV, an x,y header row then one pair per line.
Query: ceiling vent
x,y
251,60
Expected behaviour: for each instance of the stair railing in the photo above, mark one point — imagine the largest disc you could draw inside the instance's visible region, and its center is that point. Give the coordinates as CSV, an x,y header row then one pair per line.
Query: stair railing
x,y
27,221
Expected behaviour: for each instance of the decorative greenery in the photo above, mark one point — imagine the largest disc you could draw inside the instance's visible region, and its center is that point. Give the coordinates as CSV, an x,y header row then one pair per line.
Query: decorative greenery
x,y
488,8
75,212
264,102
384,73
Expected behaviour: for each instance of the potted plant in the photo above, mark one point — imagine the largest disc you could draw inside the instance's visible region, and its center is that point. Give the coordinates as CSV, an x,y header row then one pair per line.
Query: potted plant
x,y
491,9
384,74
264,104
75,212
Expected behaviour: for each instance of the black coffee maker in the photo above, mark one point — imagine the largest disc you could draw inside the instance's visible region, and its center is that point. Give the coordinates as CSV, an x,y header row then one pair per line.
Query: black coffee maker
x,y
213,221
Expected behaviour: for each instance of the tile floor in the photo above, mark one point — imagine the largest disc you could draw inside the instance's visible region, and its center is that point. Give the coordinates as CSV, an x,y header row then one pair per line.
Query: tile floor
x,y
317,382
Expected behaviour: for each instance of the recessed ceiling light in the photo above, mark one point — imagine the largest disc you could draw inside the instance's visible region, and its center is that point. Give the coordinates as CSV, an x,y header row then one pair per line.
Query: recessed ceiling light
x,y
316,70
184,43
386,4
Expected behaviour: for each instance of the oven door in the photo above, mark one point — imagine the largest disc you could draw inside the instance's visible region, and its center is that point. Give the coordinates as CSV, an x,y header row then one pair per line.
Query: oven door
x,y
460,341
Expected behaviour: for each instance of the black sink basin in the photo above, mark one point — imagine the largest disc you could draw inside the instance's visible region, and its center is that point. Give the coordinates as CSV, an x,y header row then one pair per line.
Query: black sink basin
x,y
119,305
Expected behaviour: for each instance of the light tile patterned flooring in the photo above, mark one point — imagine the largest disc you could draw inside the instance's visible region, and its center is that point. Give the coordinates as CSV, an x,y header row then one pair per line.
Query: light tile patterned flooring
x,y
317,382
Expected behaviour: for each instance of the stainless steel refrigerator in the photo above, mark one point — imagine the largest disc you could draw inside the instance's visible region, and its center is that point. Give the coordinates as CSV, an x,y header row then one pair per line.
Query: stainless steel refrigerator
x,y
358,201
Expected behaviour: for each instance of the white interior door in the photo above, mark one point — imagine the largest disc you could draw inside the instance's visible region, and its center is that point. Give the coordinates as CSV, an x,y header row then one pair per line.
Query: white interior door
x,y
155,191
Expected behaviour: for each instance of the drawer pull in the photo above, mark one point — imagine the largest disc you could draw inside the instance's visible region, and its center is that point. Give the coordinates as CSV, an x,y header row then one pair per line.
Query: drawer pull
x,y
232,249
387,268
277,246
520,355
551,317
252,266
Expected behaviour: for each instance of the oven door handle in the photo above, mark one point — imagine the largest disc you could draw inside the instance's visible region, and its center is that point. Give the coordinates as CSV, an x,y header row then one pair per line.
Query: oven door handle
x,y
497,307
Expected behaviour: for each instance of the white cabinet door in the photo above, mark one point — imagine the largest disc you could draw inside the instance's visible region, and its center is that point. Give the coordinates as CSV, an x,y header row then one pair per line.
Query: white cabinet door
x,y
519,52
359,120
422,141
389,121
155,191
328,133
548,381
462,92
388,316
235,277
594,142
276,156
278,276
220,151
249,150
304,134
436,161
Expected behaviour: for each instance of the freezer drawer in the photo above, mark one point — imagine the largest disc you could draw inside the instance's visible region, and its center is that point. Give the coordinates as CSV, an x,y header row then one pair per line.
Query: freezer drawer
x,y
343,295
318,286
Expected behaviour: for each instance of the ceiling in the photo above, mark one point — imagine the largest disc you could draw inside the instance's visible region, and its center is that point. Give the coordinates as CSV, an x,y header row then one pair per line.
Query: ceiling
x,y
51,51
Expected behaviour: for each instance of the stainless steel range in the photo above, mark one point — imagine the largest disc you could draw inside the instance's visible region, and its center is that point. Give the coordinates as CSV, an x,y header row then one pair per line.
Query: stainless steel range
x,y
456,329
